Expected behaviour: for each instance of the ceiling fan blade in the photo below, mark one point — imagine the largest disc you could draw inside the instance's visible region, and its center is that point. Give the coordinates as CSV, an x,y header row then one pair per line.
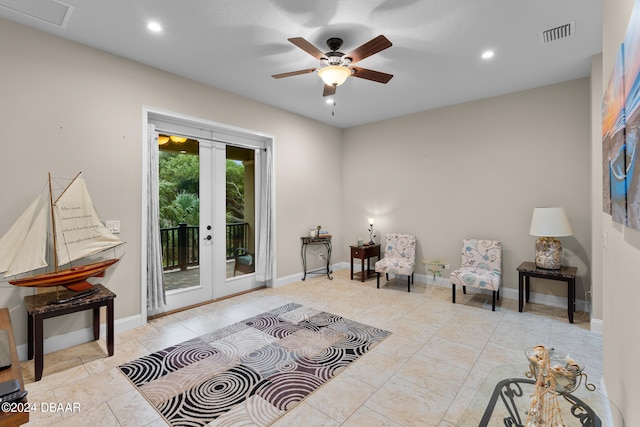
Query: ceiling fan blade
x,y
307,47
293,73
371,47
329,90
376,76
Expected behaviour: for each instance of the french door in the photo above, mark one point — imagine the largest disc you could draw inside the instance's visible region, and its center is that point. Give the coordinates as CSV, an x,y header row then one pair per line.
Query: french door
x,y
210,251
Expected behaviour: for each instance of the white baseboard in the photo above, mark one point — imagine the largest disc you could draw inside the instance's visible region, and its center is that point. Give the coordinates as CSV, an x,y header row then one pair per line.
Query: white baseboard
x,y
281,281
60,342
550,300
597,325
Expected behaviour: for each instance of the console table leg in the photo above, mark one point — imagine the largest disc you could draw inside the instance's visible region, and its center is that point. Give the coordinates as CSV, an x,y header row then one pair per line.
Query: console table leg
x,y
96,323
29,337
329,260
520,292
38,356
303,255
572,299
110,329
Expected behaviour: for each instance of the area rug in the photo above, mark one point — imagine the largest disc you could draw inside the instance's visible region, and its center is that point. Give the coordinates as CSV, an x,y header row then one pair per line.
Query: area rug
x,y
251,372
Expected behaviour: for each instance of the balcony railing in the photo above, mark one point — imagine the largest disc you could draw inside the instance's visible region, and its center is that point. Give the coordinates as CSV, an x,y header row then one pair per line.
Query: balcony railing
x,y
181,244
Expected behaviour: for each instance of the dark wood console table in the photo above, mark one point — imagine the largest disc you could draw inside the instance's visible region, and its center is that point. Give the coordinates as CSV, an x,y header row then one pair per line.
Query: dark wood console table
x,y
310,241
14,372
526,270
39,307
364,253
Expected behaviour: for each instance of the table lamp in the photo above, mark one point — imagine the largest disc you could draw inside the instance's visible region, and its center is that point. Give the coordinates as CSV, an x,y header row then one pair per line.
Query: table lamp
x,y
371,235
547,224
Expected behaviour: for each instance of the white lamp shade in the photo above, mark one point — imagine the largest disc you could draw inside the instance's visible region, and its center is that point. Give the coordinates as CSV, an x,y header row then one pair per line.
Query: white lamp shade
x,y
334,75
550,222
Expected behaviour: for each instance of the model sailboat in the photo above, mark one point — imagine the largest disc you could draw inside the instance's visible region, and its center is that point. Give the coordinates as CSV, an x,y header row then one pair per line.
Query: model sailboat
x,y
76,233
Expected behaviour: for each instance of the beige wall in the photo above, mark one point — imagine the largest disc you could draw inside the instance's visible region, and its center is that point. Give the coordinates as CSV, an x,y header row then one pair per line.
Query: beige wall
x,y
68,108
476,170
596,189
620,260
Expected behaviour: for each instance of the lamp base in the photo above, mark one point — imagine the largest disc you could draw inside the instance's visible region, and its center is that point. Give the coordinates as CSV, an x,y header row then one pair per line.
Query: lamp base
x,y
548,253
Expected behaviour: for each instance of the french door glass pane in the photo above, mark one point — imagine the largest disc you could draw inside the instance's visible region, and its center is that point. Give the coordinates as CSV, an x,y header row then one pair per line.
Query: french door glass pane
x,y
179,177
240,211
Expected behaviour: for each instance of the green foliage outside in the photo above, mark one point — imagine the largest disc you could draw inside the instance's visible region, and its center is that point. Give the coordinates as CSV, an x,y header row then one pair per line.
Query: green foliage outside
x,y
178,187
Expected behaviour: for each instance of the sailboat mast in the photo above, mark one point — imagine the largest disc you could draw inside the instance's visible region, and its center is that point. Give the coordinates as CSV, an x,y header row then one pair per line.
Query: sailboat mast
x,y
53,226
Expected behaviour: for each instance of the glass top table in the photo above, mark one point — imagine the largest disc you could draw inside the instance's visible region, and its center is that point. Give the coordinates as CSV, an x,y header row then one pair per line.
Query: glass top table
x,y
504,399
435,266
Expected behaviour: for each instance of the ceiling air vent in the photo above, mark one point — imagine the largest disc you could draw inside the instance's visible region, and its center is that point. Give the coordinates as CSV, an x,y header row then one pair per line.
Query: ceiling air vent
x,y
558,33
53,12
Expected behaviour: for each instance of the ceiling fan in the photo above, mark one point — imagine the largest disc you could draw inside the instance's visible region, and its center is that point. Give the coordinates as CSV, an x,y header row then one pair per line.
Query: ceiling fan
x,y
336,67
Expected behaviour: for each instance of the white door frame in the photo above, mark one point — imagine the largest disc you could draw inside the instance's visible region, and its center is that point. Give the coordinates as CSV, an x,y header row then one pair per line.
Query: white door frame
x,y
196,128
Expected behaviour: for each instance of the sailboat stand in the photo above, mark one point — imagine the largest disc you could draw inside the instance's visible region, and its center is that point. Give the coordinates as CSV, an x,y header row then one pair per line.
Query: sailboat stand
x,y
73,297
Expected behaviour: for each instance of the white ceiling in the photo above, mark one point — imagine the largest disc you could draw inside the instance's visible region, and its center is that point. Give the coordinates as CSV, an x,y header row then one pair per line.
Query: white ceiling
x,y
237,45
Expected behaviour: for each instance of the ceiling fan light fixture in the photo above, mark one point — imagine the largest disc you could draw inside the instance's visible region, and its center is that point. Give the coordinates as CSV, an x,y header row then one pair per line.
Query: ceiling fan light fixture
x,y
334,75
163,139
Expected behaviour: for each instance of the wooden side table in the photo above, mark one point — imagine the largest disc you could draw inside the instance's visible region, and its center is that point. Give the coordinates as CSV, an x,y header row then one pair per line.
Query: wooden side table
x,y
526,270
364,253
39,307
14,372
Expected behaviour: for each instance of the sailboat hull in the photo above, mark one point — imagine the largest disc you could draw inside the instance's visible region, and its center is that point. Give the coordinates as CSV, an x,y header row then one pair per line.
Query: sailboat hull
x,y
74,278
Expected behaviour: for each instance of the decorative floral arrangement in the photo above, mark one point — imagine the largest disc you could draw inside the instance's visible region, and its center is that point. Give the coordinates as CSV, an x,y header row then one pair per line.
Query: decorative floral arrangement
x,y
555,373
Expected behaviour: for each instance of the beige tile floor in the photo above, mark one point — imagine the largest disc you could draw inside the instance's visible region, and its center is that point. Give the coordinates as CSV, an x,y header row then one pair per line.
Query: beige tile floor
x,y
425,374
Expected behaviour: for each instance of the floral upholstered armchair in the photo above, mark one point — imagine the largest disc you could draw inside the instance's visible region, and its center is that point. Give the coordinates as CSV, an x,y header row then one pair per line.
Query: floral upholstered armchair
x,y
399,257
480,267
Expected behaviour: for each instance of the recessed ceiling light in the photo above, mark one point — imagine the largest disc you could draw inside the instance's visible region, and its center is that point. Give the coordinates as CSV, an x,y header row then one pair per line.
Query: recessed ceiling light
x,y
487,54
154,26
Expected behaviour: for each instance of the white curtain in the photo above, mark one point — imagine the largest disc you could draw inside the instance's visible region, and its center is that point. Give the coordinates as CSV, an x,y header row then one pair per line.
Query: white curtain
x,y
264,258
156,297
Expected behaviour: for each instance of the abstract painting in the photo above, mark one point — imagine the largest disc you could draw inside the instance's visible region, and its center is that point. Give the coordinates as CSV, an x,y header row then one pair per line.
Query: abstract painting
x,y
632,114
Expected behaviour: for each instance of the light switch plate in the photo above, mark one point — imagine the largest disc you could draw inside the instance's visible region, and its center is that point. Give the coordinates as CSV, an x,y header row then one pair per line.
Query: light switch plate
x,y
113,226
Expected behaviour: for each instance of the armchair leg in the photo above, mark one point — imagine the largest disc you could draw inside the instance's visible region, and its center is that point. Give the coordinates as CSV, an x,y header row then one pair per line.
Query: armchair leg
x,y
464,289
498,291
409,283
412,281
453,293
386,276
493,302
378,280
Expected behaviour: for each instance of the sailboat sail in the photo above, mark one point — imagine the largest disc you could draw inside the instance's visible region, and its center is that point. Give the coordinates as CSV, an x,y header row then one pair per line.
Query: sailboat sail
x,y
79,232
31,254
16,254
